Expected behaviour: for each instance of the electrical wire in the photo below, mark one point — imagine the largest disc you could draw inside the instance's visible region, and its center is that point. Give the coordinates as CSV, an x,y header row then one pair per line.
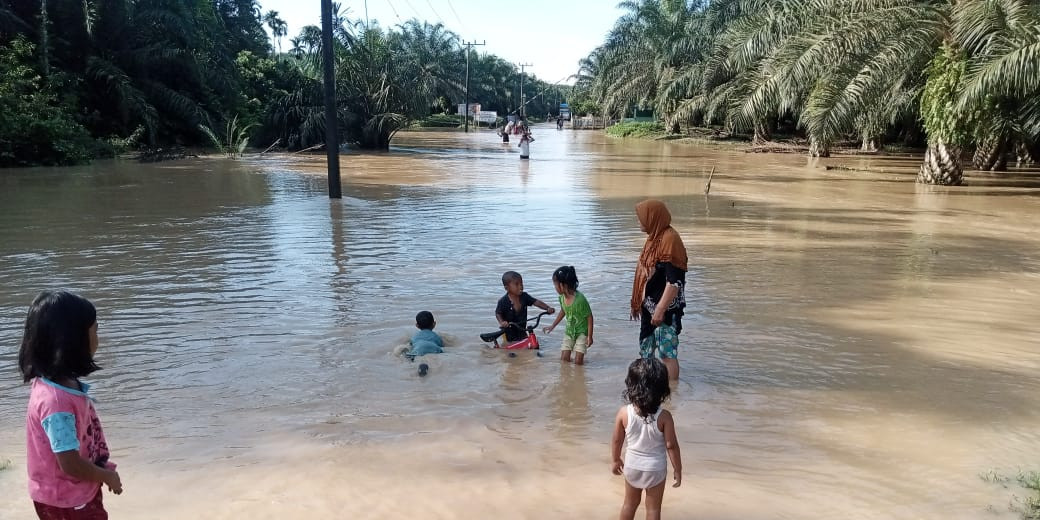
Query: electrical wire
x,y
394,10
415,14
454,12
435,13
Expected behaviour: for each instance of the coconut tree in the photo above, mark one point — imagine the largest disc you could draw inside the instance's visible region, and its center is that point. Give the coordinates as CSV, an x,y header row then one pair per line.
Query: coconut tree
x,y
279,28
432,61
650,58
1002,81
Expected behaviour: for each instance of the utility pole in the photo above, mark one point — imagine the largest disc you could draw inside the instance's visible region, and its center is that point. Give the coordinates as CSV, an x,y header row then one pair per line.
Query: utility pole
x,y
331,121
523,103
468,45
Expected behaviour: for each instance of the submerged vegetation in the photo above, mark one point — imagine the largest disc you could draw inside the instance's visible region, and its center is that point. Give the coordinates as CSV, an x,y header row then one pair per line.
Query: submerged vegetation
x,y
77,78
636,129
1027,507
953,76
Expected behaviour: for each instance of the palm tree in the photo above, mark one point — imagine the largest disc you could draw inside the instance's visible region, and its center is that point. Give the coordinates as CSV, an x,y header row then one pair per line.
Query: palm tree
x,y
432,59
279,28
1003,75
651,58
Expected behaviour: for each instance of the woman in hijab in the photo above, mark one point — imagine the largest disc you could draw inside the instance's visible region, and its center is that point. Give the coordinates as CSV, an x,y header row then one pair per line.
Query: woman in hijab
x,y
658,298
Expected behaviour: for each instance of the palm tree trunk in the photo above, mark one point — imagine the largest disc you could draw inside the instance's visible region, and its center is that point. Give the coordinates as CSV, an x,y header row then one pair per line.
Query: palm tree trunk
x,y
942,165
1025,154
818,148
44,43
870,144
990,154
761,135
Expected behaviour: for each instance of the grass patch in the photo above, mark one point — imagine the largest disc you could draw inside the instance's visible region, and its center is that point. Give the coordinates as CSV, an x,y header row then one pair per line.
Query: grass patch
x,y
439,121
643,129
1027,483
5,464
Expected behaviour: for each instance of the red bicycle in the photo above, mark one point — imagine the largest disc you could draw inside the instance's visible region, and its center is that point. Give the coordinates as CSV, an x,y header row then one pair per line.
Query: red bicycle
x,y
530,342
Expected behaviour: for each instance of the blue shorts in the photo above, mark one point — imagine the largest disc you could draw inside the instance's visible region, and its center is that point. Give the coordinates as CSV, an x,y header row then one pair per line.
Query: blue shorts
x,y
664,340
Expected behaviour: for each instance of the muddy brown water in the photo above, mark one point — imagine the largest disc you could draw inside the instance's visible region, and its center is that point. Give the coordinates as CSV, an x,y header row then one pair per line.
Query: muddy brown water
x,y
856,346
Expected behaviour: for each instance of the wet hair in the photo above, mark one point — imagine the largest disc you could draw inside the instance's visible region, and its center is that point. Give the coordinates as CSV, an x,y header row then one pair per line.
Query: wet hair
x,y
424,320
56,341
511,276
566,276
646,386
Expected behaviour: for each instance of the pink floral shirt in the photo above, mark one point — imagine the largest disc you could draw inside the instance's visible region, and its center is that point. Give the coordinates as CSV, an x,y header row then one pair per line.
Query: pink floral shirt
x,y
61,419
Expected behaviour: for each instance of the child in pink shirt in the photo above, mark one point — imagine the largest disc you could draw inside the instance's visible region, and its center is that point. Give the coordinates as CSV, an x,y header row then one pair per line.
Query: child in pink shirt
x,y
67,456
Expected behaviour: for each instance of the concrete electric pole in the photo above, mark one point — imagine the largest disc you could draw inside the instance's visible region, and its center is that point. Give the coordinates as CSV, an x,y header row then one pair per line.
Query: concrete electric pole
x,y
468,45
523,101
329,81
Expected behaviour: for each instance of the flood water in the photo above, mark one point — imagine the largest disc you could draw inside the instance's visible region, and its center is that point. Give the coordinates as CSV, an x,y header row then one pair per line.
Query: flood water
x,y
856,346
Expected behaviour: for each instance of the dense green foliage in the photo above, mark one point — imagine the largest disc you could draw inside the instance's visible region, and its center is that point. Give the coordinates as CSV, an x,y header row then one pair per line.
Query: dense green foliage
x,y
440,121
388,78
33,127
79,73
112,67
636,129
965,72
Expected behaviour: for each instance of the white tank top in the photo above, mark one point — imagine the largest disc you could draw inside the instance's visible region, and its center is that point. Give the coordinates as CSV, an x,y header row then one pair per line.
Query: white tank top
x,y
646,450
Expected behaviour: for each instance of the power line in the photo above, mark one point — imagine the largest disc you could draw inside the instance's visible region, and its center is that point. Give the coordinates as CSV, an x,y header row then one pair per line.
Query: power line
x,y
435,13
415,14
394,10
452,7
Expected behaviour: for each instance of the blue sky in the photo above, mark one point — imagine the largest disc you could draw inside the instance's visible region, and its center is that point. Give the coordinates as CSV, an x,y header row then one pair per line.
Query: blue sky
x,y
550,34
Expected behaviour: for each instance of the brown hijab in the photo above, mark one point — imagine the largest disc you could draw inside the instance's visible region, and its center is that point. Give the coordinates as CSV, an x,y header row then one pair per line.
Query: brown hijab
x,y
663,244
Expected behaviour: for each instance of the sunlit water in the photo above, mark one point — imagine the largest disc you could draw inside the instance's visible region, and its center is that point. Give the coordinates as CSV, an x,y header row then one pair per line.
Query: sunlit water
x,y
856,346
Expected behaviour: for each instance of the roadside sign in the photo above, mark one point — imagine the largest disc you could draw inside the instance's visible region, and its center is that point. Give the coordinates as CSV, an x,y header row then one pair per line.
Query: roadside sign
x,y
473,108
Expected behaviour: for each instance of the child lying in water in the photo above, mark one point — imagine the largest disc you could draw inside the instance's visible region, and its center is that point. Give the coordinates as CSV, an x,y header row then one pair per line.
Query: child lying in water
x,y
425,341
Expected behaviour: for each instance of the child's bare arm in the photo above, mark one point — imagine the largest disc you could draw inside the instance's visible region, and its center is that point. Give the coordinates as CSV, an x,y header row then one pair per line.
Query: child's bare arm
x,y
75,466
541,305
501,321
591,323
559,318
671,442
617,441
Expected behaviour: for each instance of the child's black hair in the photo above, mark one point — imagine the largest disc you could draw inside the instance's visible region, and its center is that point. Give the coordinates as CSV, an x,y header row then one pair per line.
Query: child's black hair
x,y
424,320
566,276
56,341
510,276
646,385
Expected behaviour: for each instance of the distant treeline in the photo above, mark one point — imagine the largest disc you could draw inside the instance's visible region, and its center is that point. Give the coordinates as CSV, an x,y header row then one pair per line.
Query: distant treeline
x,y
91,78
958,76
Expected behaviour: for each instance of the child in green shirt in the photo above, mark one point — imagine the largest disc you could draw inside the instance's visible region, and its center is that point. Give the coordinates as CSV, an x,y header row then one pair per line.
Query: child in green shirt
x,y
573,305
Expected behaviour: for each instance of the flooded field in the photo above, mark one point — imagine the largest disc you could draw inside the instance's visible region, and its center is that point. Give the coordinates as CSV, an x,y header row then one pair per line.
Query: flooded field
x,y
856,346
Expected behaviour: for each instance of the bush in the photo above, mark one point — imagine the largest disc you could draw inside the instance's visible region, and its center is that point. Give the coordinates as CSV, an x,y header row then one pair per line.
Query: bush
x,y
440,121
636,129
34,130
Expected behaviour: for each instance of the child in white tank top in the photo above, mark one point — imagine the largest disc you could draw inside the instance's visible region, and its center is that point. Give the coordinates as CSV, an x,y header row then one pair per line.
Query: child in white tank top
x,y
648,433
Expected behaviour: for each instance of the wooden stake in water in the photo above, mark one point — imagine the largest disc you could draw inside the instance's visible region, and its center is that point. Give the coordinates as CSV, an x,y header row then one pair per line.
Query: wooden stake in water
x,y
707,185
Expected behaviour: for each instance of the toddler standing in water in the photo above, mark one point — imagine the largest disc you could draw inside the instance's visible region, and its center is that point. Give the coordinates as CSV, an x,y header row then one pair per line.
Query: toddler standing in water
x,y
573,305
649,433
67,456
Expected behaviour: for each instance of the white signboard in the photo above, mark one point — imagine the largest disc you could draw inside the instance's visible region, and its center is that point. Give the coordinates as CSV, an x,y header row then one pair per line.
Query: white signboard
x,y
487,116
473,108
